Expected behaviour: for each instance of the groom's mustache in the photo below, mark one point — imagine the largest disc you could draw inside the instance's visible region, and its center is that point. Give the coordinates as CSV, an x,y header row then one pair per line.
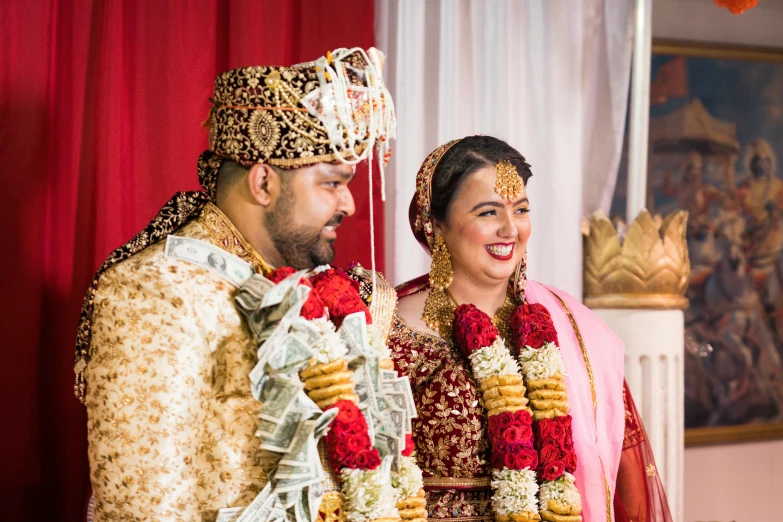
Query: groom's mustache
x,y
335,221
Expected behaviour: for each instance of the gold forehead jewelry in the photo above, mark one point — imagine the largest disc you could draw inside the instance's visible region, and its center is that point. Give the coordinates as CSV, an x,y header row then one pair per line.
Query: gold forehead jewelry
x,y
508,184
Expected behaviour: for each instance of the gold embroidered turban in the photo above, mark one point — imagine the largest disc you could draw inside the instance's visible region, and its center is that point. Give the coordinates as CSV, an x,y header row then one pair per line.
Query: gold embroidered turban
x,y
333,109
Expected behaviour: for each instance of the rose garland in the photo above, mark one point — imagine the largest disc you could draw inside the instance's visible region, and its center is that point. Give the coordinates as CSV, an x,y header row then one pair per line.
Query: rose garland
x,y
535,339
367,493
513,456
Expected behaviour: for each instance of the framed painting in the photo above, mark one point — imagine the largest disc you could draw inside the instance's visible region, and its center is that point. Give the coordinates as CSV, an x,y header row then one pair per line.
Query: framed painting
x,y
716,133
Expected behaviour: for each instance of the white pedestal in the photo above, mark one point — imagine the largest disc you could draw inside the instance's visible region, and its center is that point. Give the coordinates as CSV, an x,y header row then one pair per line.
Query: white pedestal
x,y
654,350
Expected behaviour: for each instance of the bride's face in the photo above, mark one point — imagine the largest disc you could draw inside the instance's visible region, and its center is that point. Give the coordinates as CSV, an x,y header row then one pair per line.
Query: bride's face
x,y
485,234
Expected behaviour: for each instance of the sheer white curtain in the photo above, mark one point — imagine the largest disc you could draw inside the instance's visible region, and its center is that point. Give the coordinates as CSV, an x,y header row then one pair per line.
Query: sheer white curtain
x,y
548,76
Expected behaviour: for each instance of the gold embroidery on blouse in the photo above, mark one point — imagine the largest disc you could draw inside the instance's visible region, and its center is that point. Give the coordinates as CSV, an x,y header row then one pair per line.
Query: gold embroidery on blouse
x,y
454,482
223,231
450,409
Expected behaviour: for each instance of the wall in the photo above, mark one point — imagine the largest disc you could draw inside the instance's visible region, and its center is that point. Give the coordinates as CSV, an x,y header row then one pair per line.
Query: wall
x,y
736,482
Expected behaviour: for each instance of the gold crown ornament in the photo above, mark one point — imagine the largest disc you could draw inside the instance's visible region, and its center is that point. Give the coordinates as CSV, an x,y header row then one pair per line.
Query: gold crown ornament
x,y
647,268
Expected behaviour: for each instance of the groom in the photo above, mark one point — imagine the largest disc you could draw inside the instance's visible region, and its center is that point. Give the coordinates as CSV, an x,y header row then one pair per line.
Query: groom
x,y
163,355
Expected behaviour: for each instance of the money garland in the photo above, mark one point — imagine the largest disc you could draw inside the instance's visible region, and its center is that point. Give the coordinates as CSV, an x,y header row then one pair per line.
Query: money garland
x,y
535,339
513,456
371,490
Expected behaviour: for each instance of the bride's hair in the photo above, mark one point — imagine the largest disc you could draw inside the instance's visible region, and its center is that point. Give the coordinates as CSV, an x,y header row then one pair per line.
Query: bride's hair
x,y
466,157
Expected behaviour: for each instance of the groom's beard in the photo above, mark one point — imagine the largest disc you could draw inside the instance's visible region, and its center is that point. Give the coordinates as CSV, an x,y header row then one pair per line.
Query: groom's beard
x,y
302,246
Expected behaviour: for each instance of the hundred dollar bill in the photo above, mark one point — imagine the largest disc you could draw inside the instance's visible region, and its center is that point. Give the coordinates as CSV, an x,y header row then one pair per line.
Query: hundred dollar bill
x,y
278,397
208,256
282,441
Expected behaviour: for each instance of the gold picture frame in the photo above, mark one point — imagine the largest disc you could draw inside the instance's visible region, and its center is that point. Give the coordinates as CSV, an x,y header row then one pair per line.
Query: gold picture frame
x,y
748,432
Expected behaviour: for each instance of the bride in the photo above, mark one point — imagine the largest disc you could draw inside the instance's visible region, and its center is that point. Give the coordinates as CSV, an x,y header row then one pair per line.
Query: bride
x,y
523,414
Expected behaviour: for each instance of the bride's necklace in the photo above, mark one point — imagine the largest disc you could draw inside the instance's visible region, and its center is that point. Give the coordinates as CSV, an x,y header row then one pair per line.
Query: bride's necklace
x,y
439,313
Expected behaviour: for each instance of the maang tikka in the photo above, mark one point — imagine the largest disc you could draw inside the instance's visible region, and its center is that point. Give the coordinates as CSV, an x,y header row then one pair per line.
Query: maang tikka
x,y
508,184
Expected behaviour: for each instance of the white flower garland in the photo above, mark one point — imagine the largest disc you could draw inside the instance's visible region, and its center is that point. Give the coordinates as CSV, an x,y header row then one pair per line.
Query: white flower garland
x,y
330,346
562,490
368,495
493,360
542,363
514,491
408,481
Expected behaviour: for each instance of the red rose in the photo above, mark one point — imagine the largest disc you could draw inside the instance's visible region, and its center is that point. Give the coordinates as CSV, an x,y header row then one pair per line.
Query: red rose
x,y
525,434
340,294
505,419
473,329
564,420
348,412
558,431
342,449
409,445
511,434
497,460
313,307
570,461
368,459
531,325
493,424
544,428
500,446
548,453
527,458
510,460
281,273
523,417
568,441
553,470
358,442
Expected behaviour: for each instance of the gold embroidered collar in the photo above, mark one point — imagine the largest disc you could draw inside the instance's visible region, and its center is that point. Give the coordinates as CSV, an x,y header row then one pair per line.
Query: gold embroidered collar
x,y
225,234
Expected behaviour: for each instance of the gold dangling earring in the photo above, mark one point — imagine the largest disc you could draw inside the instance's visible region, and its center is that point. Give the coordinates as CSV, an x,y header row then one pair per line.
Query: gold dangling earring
x,y
439,307
520,279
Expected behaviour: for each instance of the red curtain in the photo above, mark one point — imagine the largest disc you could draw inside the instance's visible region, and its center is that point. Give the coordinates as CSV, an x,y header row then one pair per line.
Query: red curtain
x,y
100,110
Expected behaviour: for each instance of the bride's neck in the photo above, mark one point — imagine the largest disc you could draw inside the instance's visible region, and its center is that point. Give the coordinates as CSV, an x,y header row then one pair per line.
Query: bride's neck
x,y
487,297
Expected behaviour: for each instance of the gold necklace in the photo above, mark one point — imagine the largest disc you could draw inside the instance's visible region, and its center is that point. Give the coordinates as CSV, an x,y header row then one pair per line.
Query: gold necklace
x,y
439,313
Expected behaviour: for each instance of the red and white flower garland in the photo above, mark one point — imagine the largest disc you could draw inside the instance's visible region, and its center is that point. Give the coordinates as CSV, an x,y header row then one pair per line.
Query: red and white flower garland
x,y
535,339
514,458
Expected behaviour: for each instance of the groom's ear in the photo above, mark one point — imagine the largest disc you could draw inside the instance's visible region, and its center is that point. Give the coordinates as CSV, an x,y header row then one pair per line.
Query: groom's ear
x,y
263,183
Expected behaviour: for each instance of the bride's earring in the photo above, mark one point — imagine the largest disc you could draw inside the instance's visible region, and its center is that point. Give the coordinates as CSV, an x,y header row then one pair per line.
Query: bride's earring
x,y
520,279
438,308
441,276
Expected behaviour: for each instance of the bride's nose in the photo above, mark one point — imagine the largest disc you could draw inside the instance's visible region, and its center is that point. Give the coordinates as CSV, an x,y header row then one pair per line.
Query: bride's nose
x,y
508,228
